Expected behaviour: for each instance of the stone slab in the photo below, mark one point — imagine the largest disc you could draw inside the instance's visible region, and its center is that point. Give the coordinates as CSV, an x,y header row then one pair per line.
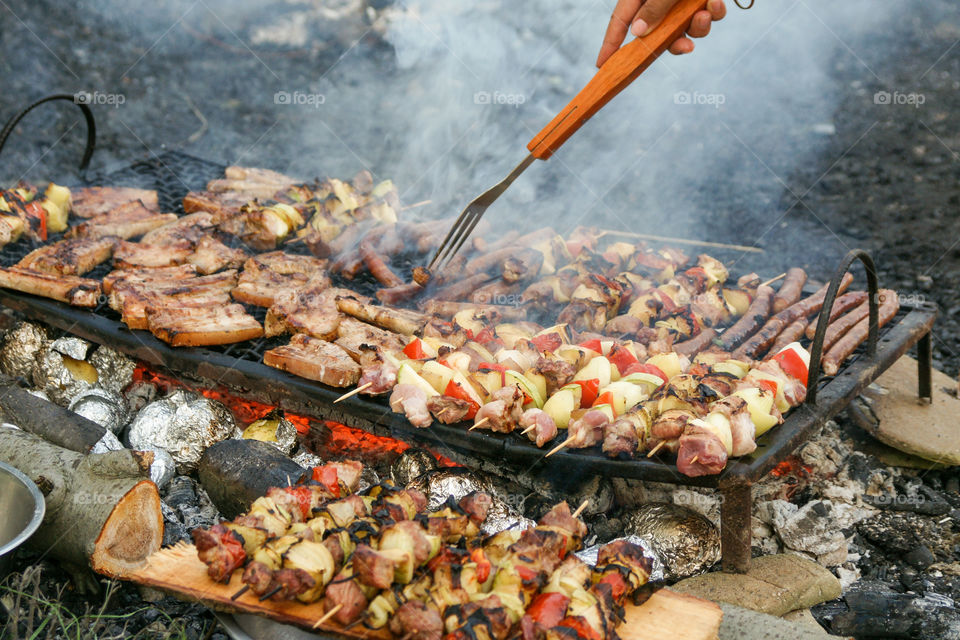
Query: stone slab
x,y
774,585
744,624
930,431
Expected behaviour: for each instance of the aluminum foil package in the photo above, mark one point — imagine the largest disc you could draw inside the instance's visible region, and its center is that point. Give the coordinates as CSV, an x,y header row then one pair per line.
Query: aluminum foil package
x,y
306,459
76,348
684,541
20,349
163,467
183,423
274,429
411,464
63,377
114,369
106,408
458,482
589,555
108,442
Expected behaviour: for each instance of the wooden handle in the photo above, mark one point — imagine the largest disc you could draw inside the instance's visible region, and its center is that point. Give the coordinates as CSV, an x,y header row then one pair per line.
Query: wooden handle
x,y
613,77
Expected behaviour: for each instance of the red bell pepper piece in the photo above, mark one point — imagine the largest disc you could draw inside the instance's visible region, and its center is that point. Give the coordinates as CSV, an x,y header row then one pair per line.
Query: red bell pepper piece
x,y
590,389
483,565
641,367
36,210
327,476
414,350
792,365
548,609
621,357
526,574
605,398
486,335
580,627
547,342
303,496
618,586
454,390
768,385
593,345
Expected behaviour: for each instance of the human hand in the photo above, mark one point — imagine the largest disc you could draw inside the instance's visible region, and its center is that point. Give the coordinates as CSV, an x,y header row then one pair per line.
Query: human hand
x,y
641,16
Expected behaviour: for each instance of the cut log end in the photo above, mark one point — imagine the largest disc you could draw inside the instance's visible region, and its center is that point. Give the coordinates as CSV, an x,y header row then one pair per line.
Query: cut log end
x,y
133,531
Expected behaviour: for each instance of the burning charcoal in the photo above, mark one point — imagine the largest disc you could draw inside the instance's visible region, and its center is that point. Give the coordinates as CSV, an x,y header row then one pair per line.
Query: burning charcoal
x,y
183,423
589,555
114,369
411,464
21,348
685,541
185,507
63,377
106,408
140,395
76,348
274,429
458,482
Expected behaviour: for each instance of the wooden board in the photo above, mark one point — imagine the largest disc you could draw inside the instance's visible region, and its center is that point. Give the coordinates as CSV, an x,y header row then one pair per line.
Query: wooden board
x,y
179,571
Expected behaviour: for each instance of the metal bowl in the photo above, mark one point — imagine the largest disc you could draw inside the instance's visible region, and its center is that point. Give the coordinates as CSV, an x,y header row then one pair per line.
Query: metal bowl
x,y
22,506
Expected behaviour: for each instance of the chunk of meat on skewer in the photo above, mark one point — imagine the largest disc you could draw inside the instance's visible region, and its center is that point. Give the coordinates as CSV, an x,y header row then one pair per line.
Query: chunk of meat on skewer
x,y
411,401
701,452
502,414
587,430
544,429
448,410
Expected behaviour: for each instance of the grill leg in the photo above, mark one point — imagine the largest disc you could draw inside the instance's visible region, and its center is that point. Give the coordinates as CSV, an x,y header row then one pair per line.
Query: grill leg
x,y
735,526
924,364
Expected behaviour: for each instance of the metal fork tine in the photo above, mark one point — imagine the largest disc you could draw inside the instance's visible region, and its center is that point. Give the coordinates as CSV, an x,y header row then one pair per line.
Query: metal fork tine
x,y
445,245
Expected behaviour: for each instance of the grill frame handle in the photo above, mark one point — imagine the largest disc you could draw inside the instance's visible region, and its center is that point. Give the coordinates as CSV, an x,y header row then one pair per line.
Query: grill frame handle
x,y
87,114
816,348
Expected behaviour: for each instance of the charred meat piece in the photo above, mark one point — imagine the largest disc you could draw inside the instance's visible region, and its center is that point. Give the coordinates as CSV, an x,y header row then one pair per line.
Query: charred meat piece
x,y
80,292
416,621
556,372
267,276
222,205
358,337
191,227
448,410
396,295
134,255
311,309
620,439
220,549
315,359
202,326
166,275
69,257
131,299
93,201
126,221
210,255
397,320
377,266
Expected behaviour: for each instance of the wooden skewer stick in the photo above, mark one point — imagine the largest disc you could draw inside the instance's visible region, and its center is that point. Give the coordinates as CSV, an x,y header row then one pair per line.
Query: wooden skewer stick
x,y
693,459
415,205
580,509
478,424
528,429
560,446
270,593
239,593
656,448
327,616
354,392
772,280
698,243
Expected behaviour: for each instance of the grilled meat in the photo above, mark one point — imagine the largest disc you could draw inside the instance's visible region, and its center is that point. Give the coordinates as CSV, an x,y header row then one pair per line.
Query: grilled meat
x,y
126,221
80,292
267,277
315,359
132,299
94,201
311,309
69,257
210,255
202,326
134,255
411,401
148,276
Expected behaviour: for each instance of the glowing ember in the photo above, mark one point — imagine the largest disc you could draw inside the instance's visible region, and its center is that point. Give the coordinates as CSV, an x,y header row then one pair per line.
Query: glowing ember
x,y
792,466
342,439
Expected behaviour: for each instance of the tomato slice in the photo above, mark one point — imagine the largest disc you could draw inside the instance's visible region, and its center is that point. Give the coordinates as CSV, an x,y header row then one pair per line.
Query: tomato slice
x,y
621,357
590,389
454,390
641,367
548,609
792,364
414,350
548,342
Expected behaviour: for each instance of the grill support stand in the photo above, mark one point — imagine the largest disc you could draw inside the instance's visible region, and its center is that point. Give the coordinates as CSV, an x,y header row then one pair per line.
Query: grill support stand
x,y
924,367
736,530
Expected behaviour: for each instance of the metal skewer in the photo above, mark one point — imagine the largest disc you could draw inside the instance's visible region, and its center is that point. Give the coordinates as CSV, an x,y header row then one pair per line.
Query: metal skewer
x,y
239,593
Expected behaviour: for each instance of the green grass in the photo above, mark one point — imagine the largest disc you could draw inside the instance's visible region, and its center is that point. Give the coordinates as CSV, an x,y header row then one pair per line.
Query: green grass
x,y
38,613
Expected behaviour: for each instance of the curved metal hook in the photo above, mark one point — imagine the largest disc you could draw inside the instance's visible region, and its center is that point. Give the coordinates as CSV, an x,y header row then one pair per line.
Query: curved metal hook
x,y
738,3
87,114
816,348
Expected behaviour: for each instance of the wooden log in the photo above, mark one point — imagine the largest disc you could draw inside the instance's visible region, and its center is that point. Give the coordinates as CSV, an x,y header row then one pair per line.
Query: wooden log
x,y
236,472
103,511
51,422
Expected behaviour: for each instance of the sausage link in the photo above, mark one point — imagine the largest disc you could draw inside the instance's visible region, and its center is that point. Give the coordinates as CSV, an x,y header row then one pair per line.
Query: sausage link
x,y
791,289
791,333
696,344
841,305
377,267
889,305
750,322
844,323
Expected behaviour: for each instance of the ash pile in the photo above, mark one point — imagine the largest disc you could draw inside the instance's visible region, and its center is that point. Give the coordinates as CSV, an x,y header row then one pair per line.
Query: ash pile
x,y
886,537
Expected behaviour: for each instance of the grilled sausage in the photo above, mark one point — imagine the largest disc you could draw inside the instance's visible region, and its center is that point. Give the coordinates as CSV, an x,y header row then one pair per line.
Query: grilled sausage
x,y
394,295
791,333
889,305
761,340
791,289
695,344
835,330
463,288
750,322
840,306
377,267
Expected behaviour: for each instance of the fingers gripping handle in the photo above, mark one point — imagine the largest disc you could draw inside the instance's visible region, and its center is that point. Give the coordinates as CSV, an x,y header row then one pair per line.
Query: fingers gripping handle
x,y
620,70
